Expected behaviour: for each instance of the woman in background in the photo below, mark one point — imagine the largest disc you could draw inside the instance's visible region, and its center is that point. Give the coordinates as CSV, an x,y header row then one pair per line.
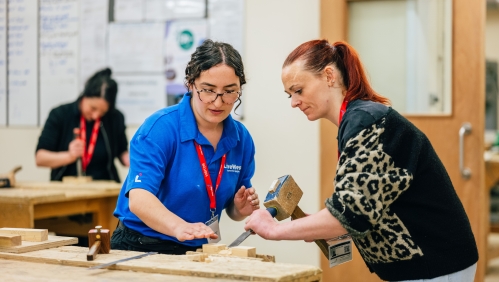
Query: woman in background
x,y
90,129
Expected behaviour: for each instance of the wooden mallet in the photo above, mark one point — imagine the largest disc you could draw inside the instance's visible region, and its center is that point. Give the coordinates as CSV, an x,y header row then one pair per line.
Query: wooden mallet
x,y
99,242
284,195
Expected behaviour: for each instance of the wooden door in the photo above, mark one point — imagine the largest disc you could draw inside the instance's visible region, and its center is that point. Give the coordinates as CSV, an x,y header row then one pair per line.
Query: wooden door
x,y
468,105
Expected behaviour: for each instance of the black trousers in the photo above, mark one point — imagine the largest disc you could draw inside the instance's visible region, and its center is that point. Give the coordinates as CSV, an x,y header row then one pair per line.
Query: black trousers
x,y
124,238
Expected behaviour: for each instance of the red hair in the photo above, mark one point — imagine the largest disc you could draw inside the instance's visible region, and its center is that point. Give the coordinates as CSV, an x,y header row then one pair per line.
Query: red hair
x,y
318,54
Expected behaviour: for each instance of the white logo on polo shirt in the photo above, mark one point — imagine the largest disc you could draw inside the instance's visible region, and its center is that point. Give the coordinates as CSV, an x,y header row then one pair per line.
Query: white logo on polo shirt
x,y
137,178
233,168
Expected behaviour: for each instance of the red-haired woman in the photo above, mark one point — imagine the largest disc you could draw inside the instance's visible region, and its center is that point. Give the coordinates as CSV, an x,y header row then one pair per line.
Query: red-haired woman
x,y
393,196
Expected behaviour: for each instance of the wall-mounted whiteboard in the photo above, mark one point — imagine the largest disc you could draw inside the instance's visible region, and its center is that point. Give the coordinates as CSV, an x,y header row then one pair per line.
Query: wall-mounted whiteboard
x,y
23,62
3,62
59,45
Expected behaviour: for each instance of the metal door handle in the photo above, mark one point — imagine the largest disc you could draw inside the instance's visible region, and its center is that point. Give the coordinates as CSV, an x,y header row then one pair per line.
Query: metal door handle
x,y
465,129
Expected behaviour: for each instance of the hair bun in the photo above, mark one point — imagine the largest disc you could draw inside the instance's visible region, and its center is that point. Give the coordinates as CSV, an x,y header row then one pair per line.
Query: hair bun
x,y
106,72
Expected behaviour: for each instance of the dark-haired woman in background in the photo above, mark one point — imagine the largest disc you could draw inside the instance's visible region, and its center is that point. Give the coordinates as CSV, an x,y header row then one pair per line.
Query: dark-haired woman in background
x,y
99,129
392,194
189,162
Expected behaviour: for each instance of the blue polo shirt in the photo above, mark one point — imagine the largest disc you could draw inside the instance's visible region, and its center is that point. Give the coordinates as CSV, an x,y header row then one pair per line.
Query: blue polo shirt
x,y
164,161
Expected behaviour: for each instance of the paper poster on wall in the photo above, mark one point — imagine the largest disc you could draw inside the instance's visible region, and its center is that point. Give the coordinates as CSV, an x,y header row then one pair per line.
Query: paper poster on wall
x,y
94,18
129,10
139,96
136,47
3,62
22,55
226,22
59,45
181,39
163,10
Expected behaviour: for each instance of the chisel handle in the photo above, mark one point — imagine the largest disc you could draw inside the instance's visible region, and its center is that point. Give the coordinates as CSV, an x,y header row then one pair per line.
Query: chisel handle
x,y
94,250
79,171
323,245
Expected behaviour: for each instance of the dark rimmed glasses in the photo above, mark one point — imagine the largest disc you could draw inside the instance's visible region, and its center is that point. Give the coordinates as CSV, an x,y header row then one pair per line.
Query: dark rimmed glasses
x,y
209,96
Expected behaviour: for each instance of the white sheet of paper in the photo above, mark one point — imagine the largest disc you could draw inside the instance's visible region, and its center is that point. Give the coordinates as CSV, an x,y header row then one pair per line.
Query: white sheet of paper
x,y
136,47
94,18
129,10
23,62
140,96
59,56
163,10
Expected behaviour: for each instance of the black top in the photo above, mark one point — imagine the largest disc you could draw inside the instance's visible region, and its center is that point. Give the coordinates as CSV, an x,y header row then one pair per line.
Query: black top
x,y
395,198
111,142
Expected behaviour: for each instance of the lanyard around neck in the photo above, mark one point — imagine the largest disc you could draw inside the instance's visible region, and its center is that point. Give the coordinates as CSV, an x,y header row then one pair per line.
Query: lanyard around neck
x,y
207,178
343,109
88,153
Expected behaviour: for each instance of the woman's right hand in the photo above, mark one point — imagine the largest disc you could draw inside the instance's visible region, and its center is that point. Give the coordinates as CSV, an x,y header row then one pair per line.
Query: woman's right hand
x,y
76,146
191,231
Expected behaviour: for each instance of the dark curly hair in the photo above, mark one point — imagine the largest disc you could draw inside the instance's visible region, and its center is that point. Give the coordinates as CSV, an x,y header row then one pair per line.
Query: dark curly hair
x,y
103,86
209,54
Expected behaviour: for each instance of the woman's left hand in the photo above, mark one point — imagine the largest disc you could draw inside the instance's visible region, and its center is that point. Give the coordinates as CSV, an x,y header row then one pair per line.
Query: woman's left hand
x,y
246,201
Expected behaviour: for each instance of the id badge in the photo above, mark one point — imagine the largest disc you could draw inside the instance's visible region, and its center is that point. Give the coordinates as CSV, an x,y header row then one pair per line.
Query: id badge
x,y
213,224
340,250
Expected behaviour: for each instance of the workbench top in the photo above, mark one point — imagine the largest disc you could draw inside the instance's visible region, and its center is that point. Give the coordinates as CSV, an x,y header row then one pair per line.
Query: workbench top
x,y
72,261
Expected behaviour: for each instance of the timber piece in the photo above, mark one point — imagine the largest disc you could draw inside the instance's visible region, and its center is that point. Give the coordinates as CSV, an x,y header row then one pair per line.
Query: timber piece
x,y
213,248
51,242
10,240
243,251
27,234
219,269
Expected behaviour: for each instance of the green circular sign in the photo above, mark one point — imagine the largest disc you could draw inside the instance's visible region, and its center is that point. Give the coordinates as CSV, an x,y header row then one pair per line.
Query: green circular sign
x,y
185,39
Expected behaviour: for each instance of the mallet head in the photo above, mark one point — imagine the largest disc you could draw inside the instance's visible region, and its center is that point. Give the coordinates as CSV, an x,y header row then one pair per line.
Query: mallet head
x,y
284,194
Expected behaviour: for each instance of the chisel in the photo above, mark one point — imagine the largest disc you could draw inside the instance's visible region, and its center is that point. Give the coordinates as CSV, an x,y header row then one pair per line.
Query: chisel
x,y
121,260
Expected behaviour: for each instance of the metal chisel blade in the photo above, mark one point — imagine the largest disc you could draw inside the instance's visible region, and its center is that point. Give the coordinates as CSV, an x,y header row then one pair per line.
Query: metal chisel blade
x,y
121,260
240,239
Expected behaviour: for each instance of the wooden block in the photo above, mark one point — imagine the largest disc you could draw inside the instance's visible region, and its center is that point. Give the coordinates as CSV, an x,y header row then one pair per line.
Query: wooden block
x,y
103,236
76,179
244,251
10,240
213,248
27,234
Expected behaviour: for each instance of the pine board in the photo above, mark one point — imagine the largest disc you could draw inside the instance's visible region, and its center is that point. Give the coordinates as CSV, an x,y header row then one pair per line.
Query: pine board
x,y
52,242
220,268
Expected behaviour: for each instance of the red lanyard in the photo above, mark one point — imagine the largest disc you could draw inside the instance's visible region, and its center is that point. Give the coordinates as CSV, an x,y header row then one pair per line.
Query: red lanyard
x,y
207,178
343,109
88,153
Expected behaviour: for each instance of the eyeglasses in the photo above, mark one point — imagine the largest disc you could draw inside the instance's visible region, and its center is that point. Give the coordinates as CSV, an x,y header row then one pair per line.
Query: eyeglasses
x,y
209,96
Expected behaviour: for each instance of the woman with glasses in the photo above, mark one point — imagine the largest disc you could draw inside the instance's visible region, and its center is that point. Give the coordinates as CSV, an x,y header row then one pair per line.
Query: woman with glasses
x,y
392,194
189,162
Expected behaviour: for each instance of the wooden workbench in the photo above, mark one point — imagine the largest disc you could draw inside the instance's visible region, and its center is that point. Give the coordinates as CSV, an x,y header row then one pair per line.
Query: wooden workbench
x,y
70,262
29,201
